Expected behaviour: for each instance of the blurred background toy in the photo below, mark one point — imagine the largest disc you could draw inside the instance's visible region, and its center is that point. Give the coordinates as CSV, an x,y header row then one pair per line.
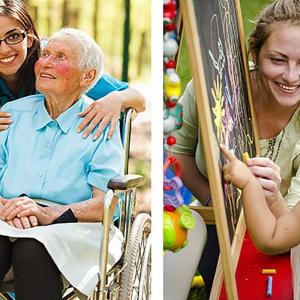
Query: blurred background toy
x,y
177,217
176,223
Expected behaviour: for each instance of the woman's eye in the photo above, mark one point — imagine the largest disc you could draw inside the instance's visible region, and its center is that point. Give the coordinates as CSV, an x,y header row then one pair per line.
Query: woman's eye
x,y
44,54
61,56
278,60
13,36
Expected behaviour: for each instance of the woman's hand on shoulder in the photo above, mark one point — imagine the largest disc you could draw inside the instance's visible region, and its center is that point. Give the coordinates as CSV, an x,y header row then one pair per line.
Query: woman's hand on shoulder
x,y
101,112
5,120
268,175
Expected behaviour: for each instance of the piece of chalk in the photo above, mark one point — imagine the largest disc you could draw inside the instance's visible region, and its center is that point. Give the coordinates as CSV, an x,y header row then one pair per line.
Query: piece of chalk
x,y
269,286
245,157
268,271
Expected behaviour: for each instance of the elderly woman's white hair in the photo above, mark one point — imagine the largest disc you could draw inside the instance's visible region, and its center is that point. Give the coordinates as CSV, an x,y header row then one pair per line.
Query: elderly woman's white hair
x,y
91,55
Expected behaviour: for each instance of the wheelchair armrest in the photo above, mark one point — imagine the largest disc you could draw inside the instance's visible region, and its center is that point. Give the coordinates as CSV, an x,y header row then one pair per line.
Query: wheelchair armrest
x,y
126,182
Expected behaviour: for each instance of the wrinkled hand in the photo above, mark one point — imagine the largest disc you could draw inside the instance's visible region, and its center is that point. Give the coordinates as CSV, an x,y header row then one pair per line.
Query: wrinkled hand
x,y
24,222
235,171
101,112
4,120
21,207
268,175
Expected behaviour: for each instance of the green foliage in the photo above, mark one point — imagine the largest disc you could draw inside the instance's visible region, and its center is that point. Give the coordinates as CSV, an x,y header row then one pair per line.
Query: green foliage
x,y
184,69
106,25
250,11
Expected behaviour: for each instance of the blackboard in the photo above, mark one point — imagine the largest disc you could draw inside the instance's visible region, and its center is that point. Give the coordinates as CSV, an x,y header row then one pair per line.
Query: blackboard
x,y
226,87
217,50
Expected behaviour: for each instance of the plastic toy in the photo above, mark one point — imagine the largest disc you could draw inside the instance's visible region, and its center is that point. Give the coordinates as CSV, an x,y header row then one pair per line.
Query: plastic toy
x,y
175,227
177,217
172,196
169,123
170,46
172,87
170,10
172,119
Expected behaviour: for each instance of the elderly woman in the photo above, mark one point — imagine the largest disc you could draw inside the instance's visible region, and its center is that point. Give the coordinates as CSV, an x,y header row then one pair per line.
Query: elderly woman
x,y
42,157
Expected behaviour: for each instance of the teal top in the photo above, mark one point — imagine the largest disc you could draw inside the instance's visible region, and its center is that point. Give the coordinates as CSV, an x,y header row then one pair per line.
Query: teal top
x,y
48,159
104,86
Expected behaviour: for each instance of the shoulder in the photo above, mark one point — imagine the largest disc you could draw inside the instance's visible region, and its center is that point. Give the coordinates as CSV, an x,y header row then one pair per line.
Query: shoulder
x,y
188,96
105,85
86,101
106,79
23,104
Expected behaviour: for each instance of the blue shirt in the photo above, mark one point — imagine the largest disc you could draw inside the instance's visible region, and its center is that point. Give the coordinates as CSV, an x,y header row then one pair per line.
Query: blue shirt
x,y
45,158
104,86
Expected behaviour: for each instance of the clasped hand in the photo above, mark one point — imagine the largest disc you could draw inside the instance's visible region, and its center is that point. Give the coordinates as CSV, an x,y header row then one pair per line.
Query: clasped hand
x,y
21,212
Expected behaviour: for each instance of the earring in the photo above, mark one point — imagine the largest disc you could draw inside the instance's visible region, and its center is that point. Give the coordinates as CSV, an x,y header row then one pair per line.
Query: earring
x,y
252,65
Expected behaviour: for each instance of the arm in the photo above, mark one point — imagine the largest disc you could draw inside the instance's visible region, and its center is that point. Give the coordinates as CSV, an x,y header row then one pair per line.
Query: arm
x,y
108,109
186,146
192,178
269,234
90,210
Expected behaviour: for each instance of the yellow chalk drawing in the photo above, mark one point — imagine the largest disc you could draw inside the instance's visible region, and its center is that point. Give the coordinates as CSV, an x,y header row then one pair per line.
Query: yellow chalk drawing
x,y
218,109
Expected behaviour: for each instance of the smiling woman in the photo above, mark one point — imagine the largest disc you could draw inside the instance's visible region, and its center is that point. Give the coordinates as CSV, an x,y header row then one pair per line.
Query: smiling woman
x,y
279,72
19,51
14,49
275,82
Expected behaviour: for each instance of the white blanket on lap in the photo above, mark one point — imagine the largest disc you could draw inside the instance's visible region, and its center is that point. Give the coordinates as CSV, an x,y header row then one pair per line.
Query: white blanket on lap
x,y
74,247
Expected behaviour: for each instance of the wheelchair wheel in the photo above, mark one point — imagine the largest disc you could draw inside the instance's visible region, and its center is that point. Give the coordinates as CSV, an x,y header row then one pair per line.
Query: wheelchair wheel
x,y
136,276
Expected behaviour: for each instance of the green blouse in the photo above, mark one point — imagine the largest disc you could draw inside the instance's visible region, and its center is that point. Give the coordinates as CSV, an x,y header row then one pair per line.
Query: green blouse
x,y
286,146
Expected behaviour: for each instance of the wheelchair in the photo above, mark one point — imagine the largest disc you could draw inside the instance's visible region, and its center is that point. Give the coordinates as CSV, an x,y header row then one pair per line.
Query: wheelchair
x,y
130,277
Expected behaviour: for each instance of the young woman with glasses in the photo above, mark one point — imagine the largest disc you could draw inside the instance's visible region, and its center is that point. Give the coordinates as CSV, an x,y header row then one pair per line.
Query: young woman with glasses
x,y
19,51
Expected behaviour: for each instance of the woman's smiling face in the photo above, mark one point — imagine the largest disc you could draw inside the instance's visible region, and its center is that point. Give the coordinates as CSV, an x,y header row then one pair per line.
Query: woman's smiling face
x,y
279,64
12,57
58,71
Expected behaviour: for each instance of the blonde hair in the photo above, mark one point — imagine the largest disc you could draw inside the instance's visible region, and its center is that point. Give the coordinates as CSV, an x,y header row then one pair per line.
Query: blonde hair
x,y
279,11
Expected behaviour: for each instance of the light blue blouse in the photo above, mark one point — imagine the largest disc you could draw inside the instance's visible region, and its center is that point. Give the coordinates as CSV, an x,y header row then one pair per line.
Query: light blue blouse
x,y
45,158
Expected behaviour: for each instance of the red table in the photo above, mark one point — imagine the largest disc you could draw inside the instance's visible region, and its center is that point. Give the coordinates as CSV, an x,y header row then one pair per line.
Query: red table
x,y
251,283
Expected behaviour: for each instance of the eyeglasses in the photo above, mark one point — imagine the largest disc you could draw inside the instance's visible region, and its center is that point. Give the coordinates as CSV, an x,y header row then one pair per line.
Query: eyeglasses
x,y
14,38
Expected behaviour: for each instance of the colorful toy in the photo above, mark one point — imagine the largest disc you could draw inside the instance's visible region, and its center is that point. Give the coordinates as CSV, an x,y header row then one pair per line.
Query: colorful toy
x,y
170,10
175,225
170,46
177,217
172,196
172,87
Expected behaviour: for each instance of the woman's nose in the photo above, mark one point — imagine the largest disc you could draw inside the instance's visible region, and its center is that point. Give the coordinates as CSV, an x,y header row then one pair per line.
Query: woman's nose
x,y
47,61
4,47
291,75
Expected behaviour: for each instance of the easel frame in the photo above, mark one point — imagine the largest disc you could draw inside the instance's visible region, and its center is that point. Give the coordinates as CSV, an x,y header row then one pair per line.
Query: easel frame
x,y
229,253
